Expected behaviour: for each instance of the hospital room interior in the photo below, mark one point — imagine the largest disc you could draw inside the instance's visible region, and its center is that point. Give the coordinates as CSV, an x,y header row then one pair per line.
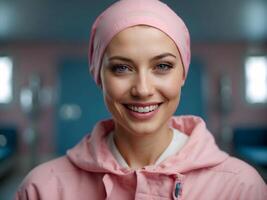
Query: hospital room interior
x,y
49,101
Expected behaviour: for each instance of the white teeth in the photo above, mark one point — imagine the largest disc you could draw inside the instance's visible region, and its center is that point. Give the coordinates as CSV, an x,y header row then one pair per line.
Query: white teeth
x,y
143,109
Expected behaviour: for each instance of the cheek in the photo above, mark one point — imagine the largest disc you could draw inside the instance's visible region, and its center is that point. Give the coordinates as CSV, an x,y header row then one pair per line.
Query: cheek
x,y
113,89
171,87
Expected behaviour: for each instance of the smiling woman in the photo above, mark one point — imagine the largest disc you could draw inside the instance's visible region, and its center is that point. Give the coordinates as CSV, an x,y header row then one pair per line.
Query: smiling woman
x,y
139,55
141,78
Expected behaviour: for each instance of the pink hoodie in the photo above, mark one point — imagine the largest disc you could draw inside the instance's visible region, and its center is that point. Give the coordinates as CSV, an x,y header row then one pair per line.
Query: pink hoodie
x,y
199,171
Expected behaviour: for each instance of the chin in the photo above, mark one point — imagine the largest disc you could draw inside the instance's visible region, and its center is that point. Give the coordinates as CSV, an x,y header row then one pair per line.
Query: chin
x,y
142,128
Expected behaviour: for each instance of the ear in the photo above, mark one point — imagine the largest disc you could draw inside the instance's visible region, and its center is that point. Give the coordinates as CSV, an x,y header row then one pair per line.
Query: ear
x,y
183,81
99,85
99,81
183,78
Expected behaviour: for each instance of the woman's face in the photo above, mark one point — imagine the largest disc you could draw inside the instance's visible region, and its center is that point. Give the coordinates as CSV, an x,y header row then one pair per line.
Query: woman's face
x,y
142,76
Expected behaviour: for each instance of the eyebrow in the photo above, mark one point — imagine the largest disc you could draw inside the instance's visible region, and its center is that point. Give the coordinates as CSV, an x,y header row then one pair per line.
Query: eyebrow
x,y
158,57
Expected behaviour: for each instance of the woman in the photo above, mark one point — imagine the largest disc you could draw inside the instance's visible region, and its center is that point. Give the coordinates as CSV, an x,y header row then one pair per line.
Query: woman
x,y
139,55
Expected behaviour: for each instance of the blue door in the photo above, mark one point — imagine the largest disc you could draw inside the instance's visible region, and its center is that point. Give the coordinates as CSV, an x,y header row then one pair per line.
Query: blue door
x,y
80,101
192,96
80,104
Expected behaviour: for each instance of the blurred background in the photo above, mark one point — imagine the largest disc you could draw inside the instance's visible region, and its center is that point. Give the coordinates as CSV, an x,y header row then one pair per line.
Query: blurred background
x,y
48,100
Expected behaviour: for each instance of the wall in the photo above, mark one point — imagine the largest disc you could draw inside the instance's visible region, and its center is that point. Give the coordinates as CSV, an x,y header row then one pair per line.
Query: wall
x,y
220,59
42,59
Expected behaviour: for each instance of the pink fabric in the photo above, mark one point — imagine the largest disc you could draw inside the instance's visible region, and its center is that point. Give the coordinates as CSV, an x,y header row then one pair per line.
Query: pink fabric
x,y
89,171
127,13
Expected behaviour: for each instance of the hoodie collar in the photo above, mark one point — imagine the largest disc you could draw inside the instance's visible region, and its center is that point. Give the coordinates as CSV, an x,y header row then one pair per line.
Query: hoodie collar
x,y
92,153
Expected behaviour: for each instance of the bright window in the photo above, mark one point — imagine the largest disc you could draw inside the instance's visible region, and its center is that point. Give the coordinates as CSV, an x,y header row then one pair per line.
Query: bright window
x,y
6,80
256,79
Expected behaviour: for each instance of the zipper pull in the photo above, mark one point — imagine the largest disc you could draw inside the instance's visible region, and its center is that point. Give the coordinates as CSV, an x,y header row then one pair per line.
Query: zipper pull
x,y
177,186
177,190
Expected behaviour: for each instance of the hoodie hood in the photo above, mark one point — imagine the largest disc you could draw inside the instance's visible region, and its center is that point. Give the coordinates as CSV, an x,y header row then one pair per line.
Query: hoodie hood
x,y
92,153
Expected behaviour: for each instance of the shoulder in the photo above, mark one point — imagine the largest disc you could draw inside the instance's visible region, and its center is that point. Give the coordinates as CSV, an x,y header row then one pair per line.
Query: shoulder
x,y
42,176
58,179
45,172
238,167
244,178
51,174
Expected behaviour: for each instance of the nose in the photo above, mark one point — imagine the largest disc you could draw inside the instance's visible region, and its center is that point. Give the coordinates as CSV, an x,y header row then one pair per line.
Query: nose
x,y
142,85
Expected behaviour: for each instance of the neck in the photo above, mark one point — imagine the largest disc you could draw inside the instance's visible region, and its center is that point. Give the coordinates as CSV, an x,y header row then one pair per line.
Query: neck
x,y
141,150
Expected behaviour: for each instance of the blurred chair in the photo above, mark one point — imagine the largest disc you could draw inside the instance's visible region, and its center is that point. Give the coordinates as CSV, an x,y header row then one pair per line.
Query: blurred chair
x,y
250,144
8,149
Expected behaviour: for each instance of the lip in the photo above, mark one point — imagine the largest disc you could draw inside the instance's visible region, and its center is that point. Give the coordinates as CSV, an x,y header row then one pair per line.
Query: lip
x,y
142,116
143,104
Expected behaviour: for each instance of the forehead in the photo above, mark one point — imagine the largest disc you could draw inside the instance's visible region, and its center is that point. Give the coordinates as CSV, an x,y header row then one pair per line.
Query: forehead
x,y
141,38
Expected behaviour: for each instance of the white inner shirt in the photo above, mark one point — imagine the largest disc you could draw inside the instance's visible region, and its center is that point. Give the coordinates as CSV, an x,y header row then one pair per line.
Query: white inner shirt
x,y
178,141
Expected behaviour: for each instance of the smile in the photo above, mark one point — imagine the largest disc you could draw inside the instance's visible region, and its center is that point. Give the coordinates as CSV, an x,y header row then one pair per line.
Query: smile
x,y
142,109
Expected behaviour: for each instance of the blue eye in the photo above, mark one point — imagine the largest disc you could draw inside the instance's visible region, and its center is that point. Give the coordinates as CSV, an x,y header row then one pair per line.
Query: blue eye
x,y
119,68
164,67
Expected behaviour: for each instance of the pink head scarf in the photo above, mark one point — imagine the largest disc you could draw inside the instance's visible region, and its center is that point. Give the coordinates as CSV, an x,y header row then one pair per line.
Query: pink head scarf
x,y
127,13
